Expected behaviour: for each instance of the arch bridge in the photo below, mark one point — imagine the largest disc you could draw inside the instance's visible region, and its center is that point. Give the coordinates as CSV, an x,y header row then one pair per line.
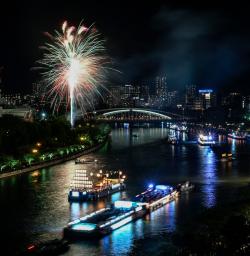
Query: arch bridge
x,y
132,114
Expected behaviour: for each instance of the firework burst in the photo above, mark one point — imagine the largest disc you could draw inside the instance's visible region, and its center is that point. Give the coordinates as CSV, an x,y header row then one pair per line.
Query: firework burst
x,y
73,67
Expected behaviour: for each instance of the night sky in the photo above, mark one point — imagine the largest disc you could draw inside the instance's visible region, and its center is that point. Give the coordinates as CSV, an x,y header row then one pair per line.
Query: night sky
x,y
206,45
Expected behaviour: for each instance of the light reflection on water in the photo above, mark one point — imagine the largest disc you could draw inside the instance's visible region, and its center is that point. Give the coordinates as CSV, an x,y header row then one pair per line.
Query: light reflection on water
x,y
209,177
36,207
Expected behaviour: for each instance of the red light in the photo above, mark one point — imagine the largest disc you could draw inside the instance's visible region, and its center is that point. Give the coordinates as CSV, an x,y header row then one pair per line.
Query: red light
x,y
31,247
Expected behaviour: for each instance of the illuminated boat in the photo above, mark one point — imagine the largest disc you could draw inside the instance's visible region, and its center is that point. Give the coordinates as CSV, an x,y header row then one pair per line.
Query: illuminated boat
x,y
157,196
173,140
226,156
104,221
205,140
186,186
237,136
87,186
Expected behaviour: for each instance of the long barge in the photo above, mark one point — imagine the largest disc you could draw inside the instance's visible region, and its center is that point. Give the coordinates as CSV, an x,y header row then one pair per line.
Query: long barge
x,y
87,186
105,220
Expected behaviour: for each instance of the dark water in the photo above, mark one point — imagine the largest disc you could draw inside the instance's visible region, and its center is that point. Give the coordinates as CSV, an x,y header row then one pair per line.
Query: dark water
x,y
34,206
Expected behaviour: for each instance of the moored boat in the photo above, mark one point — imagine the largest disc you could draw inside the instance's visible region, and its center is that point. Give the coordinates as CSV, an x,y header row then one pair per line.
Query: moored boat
x,y
237,136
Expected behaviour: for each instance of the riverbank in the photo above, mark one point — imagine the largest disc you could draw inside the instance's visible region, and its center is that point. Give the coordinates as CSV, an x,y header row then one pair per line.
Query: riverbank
x,y
54,161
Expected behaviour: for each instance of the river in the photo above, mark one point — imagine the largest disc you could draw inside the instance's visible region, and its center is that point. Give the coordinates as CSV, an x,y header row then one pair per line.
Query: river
x,y
34,205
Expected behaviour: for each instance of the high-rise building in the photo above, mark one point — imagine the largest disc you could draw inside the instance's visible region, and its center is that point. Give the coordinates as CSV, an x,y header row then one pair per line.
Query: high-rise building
x,y
172,98
208,98
191,93
114,96
161,87
233,99
191,100
161,91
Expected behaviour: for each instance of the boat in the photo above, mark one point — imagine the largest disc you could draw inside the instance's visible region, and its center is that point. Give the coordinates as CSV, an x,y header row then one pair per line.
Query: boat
x,y
48,248
106,220
86,186
237,136
227,156
205,140
157,196
184,187
135,135
222,151
173,140
83,161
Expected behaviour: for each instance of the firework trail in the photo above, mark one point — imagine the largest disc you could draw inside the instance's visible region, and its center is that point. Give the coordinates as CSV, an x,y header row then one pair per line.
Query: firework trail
x,y
73,66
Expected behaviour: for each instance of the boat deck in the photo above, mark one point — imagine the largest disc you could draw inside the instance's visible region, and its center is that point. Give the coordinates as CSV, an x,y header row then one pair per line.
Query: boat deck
x,y
152,195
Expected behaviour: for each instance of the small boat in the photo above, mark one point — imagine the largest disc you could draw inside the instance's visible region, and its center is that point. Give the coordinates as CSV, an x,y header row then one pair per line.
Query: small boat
x,y
173,140
48,248
226,156
237,136
205,140
135,135
186,186
83,161
79,161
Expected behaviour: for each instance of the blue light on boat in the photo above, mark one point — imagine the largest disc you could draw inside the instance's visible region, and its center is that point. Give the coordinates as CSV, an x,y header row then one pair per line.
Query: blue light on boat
x,y
124,204
121,223
84,226
162,187
151,185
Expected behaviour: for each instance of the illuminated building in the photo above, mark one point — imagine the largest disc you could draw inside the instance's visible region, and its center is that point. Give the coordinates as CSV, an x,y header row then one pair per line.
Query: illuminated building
x,y
208,98
161,91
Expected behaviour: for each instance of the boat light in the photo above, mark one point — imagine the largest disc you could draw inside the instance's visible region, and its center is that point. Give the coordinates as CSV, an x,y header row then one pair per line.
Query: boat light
x,y
138,208
162,187
84,226
124,204
31,247
121,223
151,185
75,194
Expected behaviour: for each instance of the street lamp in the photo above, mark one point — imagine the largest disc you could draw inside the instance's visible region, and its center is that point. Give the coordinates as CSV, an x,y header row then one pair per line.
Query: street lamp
x,y
34,150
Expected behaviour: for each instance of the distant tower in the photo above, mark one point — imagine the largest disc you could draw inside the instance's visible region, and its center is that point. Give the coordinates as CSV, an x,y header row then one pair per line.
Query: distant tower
x,y
161,90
